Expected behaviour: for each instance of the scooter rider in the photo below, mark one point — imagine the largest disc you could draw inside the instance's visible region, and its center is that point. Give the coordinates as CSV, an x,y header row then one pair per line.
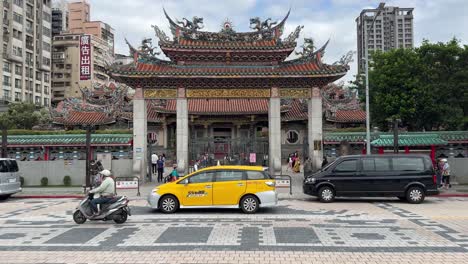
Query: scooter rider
x,y
106,190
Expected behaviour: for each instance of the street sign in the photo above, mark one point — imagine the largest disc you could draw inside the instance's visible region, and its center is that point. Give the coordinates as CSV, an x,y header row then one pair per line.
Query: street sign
x,y
125,185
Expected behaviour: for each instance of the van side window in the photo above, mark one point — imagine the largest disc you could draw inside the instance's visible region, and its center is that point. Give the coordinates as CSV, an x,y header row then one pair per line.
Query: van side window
x,y
382,164
368,165
13,166
408,164
346,166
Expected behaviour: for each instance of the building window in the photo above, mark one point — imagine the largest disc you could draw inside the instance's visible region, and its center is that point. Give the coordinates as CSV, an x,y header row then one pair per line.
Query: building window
x,y
6,80
6,94
46,31
46,46
18,83
46,77
46,16
17,51
6,67
18,18
46,89
18,96
38,100
38,88
45,61
46,102
18,3
19,69
292,137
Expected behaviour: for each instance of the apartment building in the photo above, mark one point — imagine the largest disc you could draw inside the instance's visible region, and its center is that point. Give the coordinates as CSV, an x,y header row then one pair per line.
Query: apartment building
x,y
392,28
26,51
66,81
59,17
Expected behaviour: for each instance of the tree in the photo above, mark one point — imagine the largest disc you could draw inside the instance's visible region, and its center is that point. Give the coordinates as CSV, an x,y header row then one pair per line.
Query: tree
x,y
425,87
23,115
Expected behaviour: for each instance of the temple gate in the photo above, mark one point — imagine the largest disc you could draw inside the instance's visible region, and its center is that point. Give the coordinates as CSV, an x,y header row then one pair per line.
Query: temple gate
x,y
228,65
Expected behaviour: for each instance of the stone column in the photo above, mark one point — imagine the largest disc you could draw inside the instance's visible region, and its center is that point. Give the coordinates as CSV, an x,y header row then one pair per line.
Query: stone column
x,y
274,132
139,135
315,129
165,131
182,132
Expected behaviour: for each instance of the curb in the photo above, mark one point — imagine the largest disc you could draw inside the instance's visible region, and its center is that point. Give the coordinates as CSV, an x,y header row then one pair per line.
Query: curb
x,y
48,197
447,195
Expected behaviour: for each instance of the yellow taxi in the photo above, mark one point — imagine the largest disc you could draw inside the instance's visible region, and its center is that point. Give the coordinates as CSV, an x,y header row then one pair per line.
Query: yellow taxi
x,y
244,187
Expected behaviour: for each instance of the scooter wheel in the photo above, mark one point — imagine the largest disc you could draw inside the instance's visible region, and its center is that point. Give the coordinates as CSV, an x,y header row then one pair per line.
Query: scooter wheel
x,y
78,217
121,217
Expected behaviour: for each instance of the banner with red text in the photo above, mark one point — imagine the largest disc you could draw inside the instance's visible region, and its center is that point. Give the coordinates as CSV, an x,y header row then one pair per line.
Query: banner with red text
x,y
85,57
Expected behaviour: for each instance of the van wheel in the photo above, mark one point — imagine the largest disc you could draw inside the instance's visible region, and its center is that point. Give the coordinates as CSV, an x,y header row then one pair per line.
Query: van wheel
x,y
326,194
415,195
168,204
249,204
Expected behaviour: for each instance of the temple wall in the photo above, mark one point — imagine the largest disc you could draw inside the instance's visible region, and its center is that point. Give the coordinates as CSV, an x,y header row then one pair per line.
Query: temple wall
x,y
33,171
459,170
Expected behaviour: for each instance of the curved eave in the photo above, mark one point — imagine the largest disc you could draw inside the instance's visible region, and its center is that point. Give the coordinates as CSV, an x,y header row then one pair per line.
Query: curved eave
x,y
142,75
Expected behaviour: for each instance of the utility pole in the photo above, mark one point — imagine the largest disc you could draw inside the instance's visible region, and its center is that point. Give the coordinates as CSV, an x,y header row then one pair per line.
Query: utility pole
x,y
4,142
396,121
89,129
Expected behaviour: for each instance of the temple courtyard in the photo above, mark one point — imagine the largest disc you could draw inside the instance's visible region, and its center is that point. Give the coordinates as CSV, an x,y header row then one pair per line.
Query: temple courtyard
x,y
299,230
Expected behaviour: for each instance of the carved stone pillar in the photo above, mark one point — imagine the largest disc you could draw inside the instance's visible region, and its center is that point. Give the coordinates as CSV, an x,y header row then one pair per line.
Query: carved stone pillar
x,y
182,132
139,135
274,132
315,129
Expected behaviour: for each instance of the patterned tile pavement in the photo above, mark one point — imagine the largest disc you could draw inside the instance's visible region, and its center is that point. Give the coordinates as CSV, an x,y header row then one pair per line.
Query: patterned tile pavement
x,y
298,231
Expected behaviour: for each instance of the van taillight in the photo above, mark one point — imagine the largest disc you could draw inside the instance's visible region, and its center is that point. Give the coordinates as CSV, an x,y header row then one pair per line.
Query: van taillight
x,y
434,179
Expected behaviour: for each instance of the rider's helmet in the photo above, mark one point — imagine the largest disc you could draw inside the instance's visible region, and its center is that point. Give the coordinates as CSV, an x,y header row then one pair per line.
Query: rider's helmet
x,y
105,173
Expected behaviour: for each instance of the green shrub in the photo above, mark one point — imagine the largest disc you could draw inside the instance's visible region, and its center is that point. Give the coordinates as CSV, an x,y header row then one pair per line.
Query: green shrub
x,y
22,181
44,181
67,180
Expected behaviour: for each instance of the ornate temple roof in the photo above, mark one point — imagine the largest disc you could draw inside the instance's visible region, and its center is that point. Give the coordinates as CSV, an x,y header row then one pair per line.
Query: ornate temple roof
x,y
225,54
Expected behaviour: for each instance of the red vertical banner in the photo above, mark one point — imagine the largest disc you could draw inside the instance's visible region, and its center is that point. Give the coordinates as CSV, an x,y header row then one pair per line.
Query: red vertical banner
x,y
85,57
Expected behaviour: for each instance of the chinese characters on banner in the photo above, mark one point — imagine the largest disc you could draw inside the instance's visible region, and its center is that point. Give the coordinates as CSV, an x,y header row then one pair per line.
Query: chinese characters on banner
x,y
85,57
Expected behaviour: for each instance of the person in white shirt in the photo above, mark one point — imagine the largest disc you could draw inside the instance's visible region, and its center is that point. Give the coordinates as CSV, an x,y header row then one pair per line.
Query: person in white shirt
x,y
154,163
106,190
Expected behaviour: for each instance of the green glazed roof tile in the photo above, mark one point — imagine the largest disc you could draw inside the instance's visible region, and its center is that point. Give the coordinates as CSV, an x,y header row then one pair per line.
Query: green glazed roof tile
x,y
410,140
69,139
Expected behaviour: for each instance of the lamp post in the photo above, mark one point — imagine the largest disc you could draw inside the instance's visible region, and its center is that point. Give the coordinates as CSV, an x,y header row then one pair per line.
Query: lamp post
x,y
366,37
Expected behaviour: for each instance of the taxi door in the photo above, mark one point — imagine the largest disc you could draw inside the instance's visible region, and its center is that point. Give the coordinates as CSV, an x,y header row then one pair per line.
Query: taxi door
x,y
229,186
258,182
198,191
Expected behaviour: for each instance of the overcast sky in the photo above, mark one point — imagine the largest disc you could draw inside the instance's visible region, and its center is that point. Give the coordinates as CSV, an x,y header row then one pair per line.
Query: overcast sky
x,y
435,20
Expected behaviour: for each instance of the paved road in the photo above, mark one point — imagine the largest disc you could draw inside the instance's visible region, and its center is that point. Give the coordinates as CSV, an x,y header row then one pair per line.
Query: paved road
x,y
298,231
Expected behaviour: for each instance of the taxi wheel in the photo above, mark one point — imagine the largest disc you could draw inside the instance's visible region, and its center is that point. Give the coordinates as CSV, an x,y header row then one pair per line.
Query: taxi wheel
x,y
168,204
249,204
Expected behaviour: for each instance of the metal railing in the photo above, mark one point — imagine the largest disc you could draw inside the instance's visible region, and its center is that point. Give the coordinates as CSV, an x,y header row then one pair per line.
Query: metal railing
x,y
284,181
127,183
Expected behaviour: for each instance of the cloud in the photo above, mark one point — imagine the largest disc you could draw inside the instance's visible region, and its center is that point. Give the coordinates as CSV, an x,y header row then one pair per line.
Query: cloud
x,y
434,20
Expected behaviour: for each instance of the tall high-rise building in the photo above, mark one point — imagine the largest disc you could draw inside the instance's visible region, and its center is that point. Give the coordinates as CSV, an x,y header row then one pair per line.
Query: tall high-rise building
x,y
26,51
59,17
393,28
79,23
66,81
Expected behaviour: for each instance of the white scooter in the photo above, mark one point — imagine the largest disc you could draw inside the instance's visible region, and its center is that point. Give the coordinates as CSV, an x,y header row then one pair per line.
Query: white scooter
x,y
117,209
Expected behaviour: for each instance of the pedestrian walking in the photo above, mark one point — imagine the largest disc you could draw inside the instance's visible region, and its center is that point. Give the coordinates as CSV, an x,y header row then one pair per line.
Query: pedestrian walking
x,y
290,163
160,164
446,174
196,165
324,162
174,174
154,163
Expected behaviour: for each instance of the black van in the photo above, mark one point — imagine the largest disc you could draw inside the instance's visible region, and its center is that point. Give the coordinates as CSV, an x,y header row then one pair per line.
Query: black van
x,y
408,177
